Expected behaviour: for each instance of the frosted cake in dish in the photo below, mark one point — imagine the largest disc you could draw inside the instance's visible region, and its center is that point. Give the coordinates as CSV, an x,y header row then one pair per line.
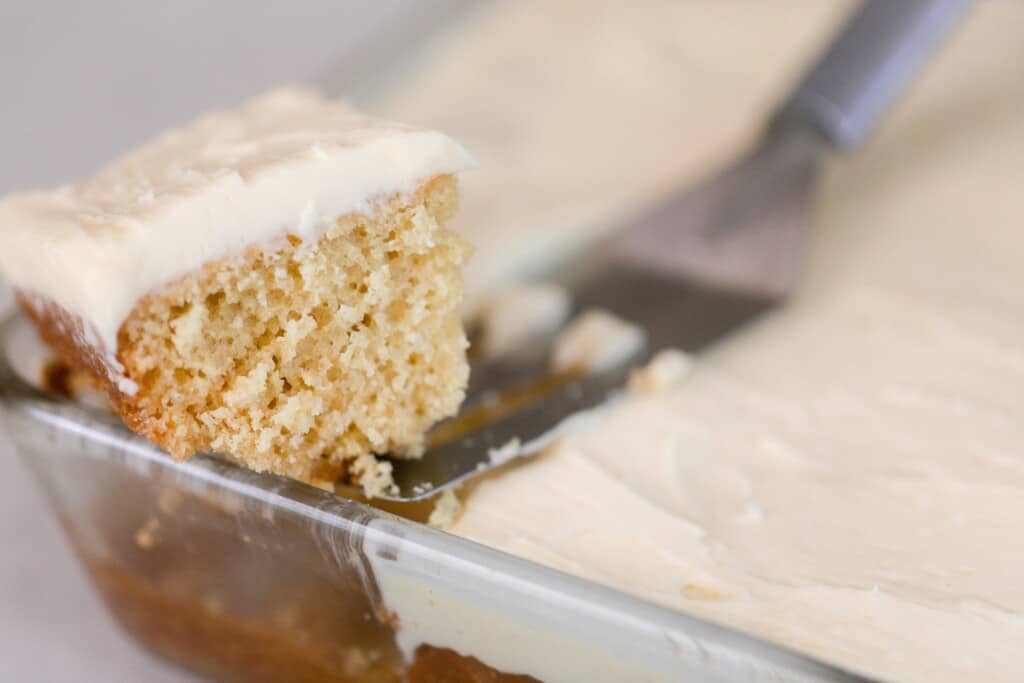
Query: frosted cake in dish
x,y
272,283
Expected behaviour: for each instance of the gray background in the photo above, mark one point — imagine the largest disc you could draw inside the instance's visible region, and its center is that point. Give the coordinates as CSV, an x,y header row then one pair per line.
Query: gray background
x,y
79,83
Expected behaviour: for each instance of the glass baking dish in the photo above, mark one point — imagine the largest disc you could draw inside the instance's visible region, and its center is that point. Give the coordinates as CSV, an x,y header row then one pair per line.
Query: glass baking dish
x,y
241,576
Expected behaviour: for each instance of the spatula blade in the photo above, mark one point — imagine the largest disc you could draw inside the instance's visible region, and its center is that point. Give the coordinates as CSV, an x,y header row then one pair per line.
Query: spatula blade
x,y
689,273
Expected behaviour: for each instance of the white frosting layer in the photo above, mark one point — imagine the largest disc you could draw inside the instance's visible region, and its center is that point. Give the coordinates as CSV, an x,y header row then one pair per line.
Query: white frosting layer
x,y
594,342
286,162
454,608
514,315
847,478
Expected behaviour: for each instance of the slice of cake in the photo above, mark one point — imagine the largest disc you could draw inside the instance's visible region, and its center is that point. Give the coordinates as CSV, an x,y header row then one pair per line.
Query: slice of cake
x,y
272,283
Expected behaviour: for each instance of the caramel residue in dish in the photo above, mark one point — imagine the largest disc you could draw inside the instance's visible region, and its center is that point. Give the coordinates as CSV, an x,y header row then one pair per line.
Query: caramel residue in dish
x,y
56,378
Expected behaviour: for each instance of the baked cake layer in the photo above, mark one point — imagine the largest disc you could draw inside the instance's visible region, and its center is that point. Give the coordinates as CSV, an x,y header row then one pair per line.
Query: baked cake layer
x,y
301,360
272,283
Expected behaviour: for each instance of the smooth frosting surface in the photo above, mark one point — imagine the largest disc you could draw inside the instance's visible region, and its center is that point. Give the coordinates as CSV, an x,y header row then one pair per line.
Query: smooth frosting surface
x,y
846,478
288,162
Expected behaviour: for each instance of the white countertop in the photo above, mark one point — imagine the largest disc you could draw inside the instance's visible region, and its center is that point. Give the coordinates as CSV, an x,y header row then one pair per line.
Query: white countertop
x,y
84,82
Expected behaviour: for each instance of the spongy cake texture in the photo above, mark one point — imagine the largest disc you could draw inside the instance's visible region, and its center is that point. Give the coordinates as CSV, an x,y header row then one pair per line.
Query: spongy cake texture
x,y
306,358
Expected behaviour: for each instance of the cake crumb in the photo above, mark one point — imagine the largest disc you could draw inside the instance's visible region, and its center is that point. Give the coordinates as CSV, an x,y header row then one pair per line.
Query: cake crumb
x,y
389,617
595,341
666,370
148,535
505,452
446,510
374,475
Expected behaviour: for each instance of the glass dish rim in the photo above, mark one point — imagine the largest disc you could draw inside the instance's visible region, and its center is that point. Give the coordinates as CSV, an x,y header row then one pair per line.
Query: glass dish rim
x,y
18,397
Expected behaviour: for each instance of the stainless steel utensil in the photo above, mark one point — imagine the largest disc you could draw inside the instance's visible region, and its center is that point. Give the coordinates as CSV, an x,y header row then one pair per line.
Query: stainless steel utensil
x,y
707,262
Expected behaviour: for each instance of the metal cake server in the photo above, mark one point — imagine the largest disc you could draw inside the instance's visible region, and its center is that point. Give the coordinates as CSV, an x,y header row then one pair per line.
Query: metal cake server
x,y
705,263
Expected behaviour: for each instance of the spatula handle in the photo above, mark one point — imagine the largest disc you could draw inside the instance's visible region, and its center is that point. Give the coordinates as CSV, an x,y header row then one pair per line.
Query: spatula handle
x,y
870,62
